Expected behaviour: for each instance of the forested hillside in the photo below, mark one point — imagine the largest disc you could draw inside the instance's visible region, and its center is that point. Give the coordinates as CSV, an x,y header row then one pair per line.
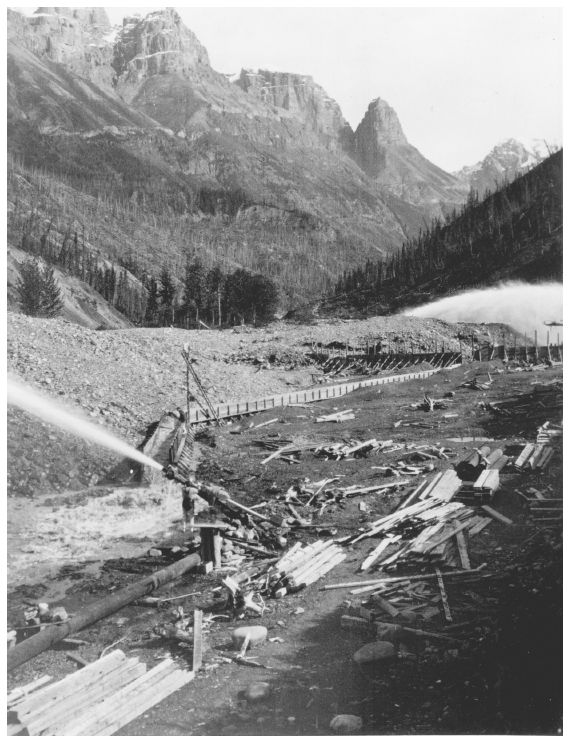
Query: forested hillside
x,y
513,233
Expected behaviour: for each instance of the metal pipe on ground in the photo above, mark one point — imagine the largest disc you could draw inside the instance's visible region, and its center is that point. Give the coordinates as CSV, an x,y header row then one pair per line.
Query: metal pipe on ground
x,y
44,640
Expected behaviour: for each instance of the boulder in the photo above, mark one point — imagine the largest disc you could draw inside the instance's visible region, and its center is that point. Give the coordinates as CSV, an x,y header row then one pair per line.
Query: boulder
x,y
257,691
376,653
346,724
257,635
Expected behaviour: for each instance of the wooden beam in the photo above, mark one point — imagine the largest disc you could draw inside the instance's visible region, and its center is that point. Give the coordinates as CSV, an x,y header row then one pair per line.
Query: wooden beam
x,y
401,578
443,593
496,515
462,546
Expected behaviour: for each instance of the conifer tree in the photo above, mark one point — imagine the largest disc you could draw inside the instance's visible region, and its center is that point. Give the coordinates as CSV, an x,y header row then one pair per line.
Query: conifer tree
x,y
152,305
29,287
52,301
167,292
39,290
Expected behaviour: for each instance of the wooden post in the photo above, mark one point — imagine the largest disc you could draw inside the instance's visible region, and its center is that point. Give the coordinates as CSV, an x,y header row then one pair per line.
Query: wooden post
x,y
548,345
197,649
473,346
207,545
217,551
536,344
515,348
505,357
525,349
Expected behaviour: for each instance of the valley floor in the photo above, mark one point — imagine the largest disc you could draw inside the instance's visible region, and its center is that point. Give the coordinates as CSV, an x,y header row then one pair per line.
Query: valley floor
x,y
506,677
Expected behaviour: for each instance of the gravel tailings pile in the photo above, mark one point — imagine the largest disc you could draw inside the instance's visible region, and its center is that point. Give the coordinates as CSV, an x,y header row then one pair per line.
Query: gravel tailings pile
x,y
125,379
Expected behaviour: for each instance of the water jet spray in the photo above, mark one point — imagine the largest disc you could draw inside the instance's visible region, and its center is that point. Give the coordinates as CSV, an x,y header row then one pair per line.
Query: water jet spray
x,y
525,307
27,399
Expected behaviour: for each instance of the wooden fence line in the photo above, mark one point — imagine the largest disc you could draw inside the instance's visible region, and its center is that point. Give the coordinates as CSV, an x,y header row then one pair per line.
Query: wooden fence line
x,y
228,410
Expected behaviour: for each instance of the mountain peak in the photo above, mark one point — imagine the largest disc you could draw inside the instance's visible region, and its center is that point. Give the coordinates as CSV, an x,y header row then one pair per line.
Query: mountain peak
x,y
382,118
91,16
301,97
157,44
506,160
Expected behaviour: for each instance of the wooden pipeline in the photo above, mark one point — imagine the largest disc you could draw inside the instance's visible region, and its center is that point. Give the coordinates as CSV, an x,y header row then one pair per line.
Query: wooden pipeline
x,y
44,640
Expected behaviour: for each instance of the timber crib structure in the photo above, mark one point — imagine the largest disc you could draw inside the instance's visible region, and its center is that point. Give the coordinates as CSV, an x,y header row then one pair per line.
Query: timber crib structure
x,y
382,362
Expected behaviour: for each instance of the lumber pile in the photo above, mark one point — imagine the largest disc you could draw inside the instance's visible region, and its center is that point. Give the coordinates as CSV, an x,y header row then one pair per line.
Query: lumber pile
x,y
428,528
538,456
99,699
298,568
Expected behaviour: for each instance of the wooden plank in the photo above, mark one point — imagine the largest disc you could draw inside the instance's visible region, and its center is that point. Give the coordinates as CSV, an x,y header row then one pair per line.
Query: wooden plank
x,y
85,698
443,593
380,581
480,525
487,479
462,546
91,674
149,680
336,559
496,515
317,567
22,691
377,551
297,578
523,456
427,492
139,703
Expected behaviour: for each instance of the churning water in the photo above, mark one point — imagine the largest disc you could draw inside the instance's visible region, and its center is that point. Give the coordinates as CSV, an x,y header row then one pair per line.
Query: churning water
x,y
44,408
525,307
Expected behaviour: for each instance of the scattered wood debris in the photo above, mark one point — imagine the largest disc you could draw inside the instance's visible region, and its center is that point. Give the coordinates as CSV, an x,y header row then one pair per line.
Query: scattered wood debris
x,y
473,384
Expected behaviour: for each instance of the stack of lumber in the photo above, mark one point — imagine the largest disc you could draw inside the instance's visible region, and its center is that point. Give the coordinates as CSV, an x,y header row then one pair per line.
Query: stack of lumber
x,y
99,699
482,490
297,568
537,456
442,541
300,567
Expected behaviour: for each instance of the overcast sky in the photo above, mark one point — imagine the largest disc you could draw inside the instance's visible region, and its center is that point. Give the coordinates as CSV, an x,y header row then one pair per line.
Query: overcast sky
x,y
460,79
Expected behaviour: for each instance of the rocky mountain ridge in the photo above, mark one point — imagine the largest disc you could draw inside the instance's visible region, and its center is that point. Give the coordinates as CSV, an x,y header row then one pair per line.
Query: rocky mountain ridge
x,y
260,169
506,160
384,153
158,67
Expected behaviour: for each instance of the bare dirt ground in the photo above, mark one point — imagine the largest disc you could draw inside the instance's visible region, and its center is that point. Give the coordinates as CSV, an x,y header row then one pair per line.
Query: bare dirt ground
x,y
506,676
